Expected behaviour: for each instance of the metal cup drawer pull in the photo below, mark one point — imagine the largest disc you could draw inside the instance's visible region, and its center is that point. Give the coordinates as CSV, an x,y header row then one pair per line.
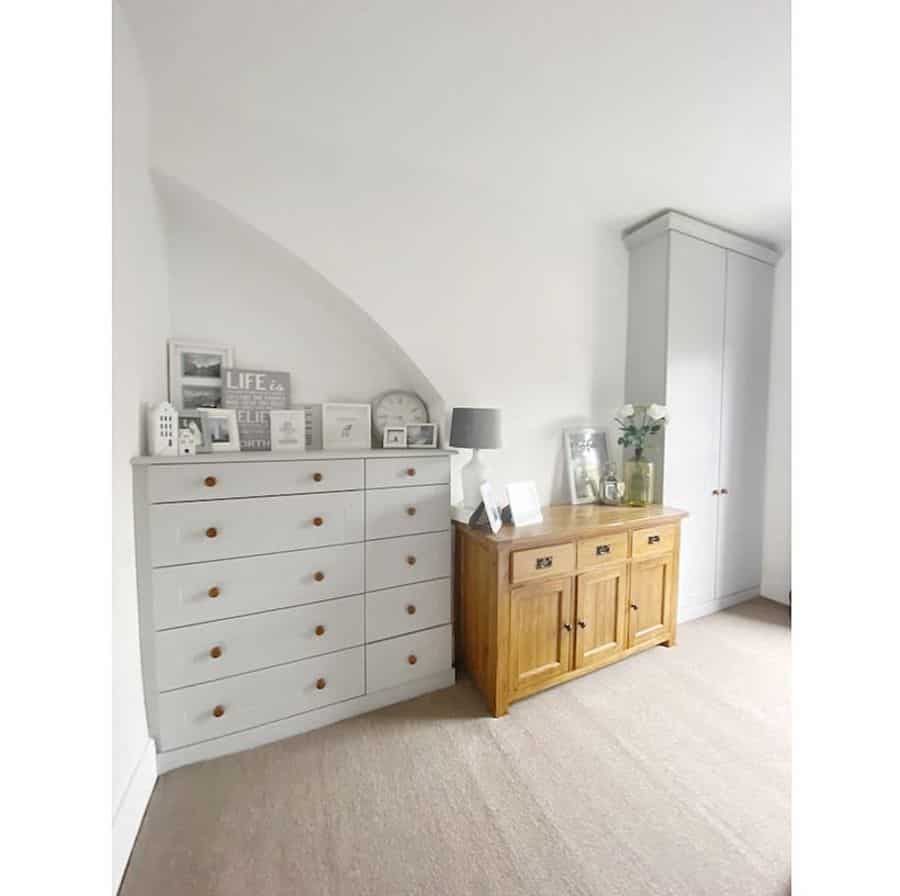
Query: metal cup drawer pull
x,y
602,549
543,563
653,539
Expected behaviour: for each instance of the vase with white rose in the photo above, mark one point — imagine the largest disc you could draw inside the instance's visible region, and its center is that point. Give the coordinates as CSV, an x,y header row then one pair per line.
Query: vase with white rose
x,y
637,424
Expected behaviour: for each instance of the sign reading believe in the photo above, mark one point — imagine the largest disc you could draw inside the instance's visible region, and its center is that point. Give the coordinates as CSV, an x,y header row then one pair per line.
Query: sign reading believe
x,y
253,393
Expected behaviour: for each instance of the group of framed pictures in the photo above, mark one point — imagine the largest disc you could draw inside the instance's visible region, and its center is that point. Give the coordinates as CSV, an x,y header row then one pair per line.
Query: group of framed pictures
x,y
415,435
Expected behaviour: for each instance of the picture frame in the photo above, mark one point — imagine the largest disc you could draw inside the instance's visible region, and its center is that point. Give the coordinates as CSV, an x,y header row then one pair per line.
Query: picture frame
x,y
192,421
288,429
394,437
220,430
587,456
346,427
421,435
490,507
524,503
195,373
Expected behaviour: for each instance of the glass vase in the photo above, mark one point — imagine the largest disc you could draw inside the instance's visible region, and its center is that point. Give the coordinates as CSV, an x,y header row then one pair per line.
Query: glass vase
x,y
638,482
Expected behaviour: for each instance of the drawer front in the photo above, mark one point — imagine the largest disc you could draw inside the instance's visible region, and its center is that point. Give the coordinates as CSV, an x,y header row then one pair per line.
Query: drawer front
x,y
555,559
400,660
188,715
402,561
214,530
198,653
407,511
398,611
602,549
247,479
658,540
389,472
203,592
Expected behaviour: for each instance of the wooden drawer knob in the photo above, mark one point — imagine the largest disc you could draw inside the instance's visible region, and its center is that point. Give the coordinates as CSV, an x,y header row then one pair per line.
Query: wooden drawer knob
x,y
412,659
317,477
319,576
210,481
320,630
212,532
214,591
317,521
411,511
320,683
411,471
411,560
411,609
215,652
219,711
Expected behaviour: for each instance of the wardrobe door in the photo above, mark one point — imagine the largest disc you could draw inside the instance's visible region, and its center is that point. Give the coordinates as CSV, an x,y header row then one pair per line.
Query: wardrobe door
x,y
694,397
745,389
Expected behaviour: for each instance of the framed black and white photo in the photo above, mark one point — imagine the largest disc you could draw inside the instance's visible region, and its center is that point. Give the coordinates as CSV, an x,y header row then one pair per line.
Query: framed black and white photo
x,y
288,430
195,373
586,459
254,394
220,430
346,427
192,421
421,435
395,437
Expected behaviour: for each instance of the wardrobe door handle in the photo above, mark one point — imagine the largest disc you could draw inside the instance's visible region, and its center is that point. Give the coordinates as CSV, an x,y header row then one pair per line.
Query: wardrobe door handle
x,y
582,623
715,491
724,491
567,627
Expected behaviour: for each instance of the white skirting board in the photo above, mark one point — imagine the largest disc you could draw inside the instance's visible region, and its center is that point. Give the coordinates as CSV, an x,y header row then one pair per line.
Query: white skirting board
x,y
127,818
695,611
317,718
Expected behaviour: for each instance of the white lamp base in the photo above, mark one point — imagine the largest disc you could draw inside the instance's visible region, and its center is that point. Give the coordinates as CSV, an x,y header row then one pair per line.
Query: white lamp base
x,y
473,474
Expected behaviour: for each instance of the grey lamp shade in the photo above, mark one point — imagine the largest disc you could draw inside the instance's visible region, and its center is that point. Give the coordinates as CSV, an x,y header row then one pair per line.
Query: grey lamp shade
x,y
475,428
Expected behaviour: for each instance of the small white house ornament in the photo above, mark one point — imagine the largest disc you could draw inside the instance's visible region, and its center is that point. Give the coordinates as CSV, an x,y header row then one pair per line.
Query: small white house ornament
x,y
162,430
186,442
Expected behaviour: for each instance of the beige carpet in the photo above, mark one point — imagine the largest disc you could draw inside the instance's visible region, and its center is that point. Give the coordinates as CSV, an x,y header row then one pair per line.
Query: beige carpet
x,y
668,773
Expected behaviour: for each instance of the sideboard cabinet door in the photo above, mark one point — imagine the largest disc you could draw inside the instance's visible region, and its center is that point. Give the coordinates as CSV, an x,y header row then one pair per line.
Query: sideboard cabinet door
x,y
600,617
540,633
650,599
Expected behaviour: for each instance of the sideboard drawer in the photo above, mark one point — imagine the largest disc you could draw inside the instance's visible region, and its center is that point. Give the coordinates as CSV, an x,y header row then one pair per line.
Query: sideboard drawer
x,y
247,479
214,530
203,592
401,561
390,472
398,611
407,511
659,540
555,559
602,549
400,660
190,715
198,653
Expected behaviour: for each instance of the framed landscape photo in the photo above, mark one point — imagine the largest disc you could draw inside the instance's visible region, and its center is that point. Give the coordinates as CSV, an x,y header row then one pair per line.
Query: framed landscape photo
x,y
220,430
586,459
288,430
421,435
195,373
346,427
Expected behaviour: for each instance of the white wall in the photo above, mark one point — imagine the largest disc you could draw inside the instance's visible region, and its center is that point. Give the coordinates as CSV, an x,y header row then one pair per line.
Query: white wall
x,y
140,323
776,572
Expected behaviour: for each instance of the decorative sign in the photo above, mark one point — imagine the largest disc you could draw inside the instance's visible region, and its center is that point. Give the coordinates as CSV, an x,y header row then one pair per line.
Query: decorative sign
x,y
253,393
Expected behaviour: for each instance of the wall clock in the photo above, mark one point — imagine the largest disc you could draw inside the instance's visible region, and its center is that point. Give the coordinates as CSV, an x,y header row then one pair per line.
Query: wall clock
x,y
396,408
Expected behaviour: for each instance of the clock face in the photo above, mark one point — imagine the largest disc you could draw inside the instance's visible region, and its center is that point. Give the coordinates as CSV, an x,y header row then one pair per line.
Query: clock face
x,y
397,409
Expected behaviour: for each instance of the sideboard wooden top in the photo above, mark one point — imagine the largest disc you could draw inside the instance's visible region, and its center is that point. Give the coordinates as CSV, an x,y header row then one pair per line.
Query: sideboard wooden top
x,y
573,521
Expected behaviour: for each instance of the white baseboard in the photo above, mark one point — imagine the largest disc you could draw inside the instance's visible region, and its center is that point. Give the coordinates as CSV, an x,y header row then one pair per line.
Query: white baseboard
x,y
695,611
316,718
127,818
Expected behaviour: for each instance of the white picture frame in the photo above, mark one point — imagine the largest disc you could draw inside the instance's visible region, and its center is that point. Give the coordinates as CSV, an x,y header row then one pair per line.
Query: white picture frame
x,y
524,504
346,427
193,422
491,508
394,437
219,422
195,373
288,429
421,435
587,457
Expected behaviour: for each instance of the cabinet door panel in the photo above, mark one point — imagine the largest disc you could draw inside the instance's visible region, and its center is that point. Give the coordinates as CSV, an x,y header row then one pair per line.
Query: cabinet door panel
x,y
745,385
540,633
650,593
600,615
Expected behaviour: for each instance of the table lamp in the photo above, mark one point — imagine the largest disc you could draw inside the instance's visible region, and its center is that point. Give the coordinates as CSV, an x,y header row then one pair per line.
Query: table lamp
x,y
475,428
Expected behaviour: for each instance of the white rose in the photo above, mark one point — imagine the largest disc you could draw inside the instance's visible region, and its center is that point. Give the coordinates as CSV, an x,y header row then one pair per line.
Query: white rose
x,y
627,410
657,412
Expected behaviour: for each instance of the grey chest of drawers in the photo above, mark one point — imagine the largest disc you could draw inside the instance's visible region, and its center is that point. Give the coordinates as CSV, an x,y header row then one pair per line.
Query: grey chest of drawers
x,y
280,593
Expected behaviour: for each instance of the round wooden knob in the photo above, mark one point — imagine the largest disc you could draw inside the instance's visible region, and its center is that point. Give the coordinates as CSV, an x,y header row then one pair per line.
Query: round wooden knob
x,y
320,683
411,560
210,481
212,532
317,477
319,576
317,521
411,471
215,652
219,711
320,630
214,591
412,659
411,511
411,609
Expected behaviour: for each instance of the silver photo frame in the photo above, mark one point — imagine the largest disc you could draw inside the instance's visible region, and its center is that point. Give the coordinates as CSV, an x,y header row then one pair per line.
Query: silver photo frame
x,y
586,459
